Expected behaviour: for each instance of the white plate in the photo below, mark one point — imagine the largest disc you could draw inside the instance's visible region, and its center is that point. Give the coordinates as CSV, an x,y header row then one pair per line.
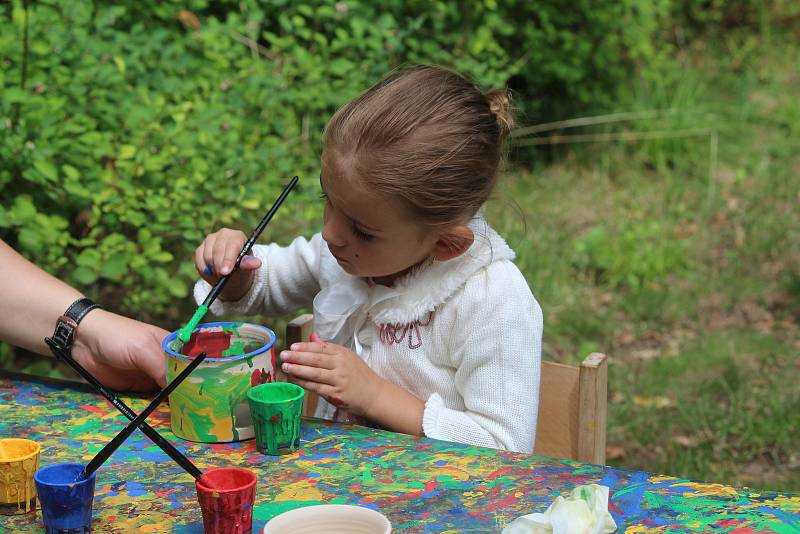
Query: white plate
x,y
329,519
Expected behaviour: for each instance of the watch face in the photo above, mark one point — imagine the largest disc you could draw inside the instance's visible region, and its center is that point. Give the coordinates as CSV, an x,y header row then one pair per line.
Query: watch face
x,y
64,332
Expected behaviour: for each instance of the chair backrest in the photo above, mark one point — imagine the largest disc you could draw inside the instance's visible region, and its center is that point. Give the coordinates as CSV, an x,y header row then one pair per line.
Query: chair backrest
x,y
572,410
572,403
299,329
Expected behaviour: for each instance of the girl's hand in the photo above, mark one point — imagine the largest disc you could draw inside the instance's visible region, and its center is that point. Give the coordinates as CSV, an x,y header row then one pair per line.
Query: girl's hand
x,y
334,372
216,256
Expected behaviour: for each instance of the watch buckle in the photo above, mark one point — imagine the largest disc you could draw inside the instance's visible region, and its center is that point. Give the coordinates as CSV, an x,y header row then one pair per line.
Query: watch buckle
x,y
65,329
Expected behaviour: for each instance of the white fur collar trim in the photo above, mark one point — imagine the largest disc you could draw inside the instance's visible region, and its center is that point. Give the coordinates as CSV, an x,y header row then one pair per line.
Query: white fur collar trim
x,y
422,290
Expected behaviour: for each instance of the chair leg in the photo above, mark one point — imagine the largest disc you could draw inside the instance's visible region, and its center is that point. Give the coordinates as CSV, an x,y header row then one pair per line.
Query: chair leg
x,y
593,408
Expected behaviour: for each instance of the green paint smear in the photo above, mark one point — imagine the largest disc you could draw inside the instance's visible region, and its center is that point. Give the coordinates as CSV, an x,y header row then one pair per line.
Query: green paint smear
x,y
241,347
265,512
276,392
232,328
235,349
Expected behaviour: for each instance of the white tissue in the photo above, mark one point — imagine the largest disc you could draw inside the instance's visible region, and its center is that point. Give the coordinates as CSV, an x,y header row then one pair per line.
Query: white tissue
x,y
584,512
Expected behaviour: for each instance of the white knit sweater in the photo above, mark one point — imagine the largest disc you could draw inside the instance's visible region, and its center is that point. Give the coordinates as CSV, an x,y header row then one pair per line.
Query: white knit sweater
x,y
463,335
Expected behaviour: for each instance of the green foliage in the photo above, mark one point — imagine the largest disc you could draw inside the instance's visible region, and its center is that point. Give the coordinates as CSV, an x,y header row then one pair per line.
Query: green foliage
x,y
715,16
132,129
632,256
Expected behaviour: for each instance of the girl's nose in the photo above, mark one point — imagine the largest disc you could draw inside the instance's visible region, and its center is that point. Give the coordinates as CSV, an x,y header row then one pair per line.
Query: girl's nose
x,y
333,232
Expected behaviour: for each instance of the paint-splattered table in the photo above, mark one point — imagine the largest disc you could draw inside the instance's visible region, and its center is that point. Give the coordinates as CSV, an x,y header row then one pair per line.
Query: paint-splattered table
x,y
422,485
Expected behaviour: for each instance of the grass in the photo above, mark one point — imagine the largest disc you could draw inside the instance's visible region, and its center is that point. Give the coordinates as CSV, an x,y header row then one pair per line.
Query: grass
x,y
688,281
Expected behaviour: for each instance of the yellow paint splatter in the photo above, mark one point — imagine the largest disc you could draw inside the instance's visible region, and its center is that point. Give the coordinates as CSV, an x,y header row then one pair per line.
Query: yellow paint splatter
x,y
302,490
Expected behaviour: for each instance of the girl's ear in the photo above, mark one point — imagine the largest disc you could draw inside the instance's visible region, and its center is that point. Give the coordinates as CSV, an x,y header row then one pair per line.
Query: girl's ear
x,y
453,242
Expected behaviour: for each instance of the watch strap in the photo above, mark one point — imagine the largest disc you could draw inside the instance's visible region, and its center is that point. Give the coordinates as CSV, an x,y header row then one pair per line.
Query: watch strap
x,y
78,309
64,334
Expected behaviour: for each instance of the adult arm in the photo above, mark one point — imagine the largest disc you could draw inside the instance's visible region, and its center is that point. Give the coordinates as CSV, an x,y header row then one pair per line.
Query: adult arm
x,y
121,352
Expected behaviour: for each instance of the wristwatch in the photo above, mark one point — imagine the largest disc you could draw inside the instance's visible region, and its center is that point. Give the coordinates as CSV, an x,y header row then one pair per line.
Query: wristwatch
x,y
64,334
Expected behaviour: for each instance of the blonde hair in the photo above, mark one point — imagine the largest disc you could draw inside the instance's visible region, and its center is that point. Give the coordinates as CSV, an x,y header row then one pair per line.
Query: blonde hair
x,y
428,136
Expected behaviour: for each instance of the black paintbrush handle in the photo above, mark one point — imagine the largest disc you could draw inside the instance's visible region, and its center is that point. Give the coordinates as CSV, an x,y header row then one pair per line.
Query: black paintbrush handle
x,y
212,296
148,431
112,445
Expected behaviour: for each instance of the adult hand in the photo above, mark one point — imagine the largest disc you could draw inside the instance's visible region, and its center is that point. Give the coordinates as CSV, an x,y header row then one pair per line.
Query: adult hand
x,y
216,257
334,372
122,353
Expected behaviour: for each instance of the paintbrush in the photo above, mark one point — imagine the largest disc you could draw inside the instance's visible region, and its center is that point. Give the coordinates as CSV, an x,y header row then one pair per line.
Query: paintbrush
x,y
148,431
112,445
186,332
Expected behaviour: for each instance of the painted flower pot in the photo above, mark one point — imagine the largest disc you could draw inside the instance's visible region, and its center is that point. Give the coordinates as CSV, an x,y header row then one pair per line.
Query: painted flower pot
x,y
211,405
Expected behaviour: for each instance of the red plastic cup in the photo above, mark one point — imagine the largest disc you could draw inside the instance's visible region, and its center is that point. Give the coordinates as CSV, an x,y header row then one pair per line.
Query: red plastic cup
x,y
226,496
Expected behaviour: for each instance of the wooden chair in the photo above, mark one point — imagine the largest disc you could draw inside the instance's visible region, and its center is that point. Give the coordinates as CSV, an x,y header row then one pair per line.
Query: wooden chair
x,y
572,403
572,410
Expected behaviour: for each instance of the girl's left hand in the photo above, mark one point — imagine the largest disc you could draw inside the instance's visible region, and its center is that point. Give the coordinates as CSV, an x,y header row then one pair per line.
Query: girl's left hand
x,y
332,371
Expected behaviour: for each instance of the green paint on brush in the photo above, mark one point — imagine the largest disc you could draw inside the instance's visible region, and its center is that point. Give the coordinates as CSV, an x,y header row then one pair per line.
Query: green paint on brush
x,y
186,332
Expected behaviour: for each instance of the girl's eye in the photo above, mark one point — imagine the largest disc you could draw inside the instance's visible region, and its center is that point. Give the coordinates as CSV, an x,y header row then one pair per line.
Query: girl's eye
x,y
361,235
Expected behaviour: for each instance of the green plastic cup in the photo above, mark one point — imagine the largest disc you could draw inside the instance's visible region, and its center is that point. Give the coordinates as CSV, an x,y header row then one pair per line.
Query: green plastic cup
x,y
276,408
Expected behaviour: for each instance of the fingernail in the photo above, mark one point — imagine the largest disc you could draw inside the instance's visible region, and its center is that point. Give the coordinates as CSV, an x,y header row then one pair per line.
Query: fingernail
x,y
295,346
209,270
225,270
285,367
284,354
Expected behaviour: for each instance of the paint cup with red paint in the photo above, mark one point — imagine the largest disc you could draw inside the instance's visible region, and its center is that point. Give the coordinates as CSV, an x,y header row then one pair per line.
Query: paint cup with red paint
x,y
226,496
275,409
66,503
211,405
19,460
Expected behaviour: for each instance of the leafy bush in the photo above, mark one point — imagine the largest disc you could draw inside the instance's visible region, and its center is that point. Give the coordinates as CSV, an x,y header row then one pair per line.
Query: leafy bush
x,y
131,130
632,256
703,16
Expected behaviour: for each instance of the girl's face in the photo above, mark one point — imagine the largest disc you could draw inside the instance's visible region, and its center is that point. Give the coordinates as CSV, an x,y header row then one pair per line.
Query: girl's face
x,y
368,234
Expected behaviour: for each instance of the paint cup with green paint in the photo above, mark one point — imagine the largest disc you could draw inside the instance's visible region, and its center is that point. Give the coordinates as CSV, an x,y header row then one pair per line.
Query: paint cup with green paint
x,y
211,405
276,409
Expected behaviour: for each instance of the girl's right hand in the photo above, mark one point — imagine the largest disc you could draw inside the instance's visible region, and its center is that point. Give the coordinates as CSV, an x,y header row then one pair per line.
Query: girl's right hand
x,y
216,256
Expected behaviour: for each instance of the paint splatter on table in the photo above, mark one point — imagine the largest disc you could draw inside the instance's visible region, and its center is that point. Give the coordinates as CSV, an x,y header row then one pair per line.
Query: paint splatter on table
x,y
422,485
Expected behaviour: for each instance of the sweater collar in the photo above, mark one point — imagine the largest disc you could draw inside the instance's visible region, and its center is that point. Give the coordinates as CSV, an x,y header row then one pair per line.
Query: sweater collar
x,y
422,290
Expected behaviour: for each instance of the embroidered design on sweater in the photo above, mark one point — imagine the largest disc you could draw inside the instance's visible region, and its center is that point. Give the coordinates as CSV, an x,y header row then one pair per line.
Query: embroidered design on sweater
x,y
395,333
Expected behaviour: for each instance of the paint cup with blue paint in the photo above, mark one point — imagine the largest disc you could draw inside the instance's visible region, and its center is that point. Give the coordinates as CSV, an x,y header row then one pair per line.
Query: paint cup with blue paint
x,y
66,504
210,406
276,409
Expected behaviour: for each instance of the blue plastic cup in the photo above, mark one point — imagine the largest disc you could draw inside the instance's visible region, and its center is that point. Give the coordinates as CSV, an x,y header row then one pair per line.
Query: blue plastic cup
x,y
66,504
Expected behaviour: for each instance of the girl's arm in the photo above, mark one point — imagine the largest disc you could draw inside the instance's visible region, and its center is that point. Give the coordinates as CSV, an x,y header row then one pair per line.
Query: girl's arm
x,y
396,409
496,350
287,280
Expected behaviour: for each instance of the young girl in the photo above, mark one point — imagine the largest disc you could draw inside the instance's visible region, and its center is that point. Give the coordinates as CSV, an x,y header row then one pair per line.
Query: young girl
x,y
423,323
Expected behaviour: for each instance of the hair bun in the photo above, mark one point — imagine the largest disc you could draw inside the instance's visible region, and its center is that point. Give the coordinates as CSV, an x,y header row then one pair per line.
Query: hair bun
x,y
500,105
